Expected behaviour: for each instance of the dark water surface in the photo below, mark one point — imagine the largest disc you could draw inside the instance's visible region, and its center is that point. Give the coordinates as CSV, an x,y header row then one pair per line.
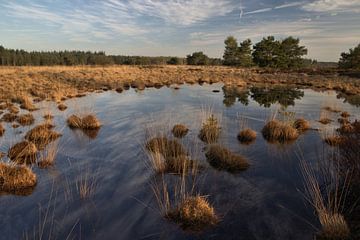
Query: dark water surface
x,y
264,202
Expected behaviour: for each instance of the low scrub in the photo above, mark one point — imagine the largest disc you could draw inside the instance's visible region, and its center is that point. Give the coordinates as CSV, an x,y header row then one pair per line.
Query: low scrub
x,y
222,159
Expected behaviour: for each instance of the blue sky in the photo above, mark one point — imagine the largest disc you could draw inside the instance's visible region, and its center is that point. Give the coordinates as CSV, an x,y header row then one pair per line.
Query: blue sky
x,y
177,27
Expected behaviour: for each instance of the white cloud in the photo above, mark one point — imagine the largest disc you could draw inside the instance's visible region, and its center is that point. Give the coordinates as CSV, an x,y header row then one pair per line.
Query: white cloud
x,y
287,5
333,6
259,11
183,12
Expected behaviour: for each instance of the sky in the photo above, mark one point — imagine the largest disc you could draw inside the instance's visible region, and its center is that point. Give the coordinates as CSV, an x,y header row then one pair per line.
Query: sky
x,y
177,27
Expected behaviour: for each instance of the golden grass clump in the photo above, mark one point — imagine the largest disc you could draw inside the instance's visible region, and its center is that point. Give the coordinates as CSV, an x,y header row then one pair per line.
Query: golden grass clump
x,y
194,213
333,140
222,159
345,114
210,131
179,130
62,107
25,119
42,135
333,225
48,156
13,109
246,136
2,130
9,117
86,122
343,121
14,178
301,124
325,120
331,109
23,152
276,131
48,116
346,128
168,156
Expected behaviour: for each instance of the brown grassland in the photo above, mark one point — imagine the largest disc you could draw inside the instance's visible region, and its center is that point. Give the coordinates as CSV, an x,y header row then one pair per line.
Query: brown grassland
x,y
58,83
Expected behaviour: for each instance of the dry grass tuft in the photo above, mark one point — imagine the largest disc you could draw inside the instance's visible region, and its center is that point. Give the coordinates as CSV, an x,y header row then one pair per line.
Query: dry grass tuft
x,y
210,131
194,213
179,130
48,116
345,114
325,121
9,117
48,156
282,132
87,122
333,140
23,152
25,119
333,225
346,128
332,109
86,185
168,156
247,136
301,124
42,135
222,159
62,107
13,109
2,130
15,178
343,121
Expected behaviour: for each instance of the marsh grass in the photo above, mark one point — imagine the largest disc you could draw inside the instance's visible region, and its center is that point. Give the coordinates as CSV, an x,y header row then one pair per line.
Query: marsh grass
x,y
86,184
2,130
324,117
222,159
179,130
87,122
42,135
246,135
23,152
25,119
276,131
48,155
326,192
211,126
16,179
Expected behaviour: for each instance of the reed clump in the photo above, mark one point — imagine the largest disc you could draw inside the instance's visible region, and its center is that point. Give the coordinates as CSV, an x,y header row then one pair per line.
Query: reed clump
x,y
222,159
333,225
247,136
25,119
345,114
14,178
2,130
9,117
13,109
168,156
346,128
86,122
62,107
42,135
210,131
180,130
194,213
325,120
48,156
301,124
23,152
334,140
277,131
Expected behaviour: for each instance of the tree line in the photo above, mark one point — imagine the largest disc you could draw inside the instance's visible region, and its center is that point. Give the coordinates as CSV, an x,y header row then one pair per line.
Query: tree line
x,y
286,53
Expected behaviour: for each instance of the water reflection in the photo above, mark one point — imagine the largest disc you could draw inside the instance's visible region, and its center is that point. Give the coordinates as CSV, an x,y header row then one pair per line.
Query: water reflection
x,y
351,99
283,95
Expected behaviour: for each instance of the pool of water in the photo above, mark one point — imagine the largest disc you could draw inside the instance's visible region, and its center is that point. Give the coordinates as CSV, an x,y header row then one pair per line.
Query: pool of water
x,y
264,202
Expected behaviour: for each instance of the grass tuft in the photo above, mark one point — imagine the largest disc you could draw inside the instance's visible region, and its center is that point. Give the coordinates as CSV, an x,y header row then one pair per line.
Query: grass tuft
x,y
194,213
277,131
222,159
180,130
42,135
87,122
23,152
247,136
25,119
14,178
301,124
62,107
2,130
210,131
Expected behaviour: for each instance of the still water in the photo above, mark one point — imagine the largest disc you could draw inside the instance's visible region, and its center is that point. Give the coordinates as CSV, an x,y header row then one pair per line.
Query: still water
x,y
264,202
